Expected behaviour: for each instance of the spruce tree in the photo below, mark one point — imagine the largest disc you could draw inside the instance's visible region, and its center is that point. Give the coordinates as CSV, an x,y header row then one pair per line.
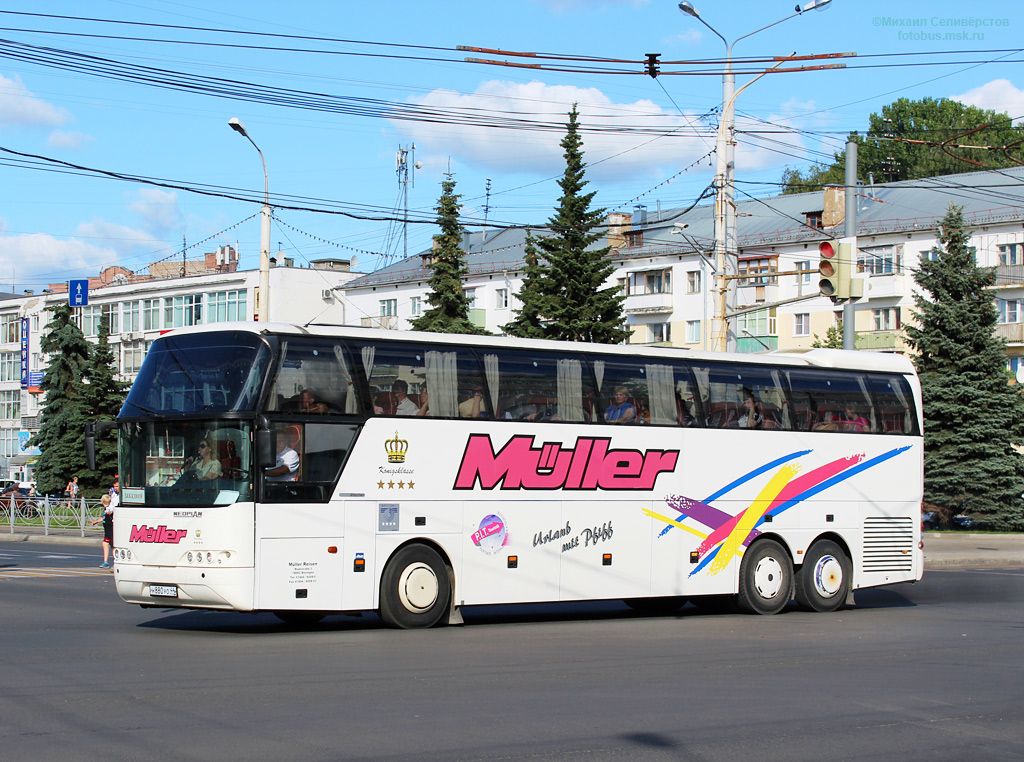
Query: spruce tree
x,y
833,338
579,306
533,293
973,418
105,394
449,311
61,426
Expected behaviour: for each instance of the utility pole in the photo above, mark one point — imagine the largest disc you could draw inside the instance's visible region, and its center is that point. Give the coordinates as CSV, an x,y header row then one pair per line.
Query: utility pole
x,y
402,159
850,234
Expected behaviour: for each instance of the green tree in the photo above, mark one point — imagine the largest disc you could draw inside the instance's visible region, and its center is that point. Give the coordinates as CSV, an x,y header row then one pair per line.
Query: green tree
x,y
579,307
884,153
449,311
105,394
533,295
61,426
972,417
833,338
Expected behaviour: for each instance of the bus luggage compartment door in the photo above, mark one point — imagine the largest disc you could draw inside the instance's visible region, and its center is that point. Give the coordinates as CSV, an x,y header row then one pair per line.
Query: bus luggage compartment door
x,y
303,573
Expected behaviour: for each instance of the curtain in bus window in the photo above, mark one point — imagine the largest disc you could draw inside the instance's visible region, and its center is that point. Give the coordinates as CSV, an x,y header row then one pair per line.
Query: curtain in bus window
x,y
346,380
661,394
598,366
570,390
367,353
442,384
493,378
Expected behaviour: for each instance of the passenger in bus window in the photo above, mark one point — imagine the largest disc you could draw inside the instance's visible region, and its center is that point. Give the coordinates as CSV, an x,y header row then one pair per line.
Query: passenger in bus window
x,y
473,407
752,411
310,403
287,467
621,410
828,421
403,404
854,420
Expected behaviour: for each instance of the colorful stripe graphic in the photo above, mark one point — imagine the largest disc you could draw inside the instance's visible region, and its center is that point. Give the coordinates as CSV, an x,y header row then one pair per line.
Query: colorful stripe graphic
x,y
786,487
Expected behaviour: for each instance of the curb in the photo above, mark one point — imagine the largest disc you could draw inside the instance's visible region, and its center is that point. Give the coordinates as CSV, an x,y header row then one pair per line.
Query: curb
x,y
52,538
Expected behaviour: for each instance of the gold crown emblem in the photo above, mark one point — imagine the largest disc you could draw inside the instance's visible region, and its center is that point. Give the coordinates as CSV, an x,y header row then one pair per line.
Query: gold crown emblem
x,y
396,449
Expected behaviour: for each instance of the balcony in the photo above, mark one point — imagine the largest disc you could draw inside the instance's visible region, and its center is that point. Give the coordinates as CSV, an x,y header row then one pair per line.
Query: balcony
x,y
879,286
880,341
750,344
1009,275
1012,333
639,303
379,321
478,317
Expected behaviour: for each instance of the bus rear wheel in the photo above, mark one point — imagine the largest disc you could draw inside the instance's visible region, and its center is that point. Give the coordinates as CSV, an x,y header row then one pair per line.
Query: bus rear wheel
x,y
823,580
766,578
415,590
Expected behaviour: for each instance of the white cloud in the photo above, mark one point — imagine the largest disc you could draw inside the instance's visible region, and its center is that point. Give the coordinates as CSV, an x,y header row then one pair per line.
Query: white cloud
x,y
61,139
158,209
691,36
119,238
39,258
18,106
1000,95
659,140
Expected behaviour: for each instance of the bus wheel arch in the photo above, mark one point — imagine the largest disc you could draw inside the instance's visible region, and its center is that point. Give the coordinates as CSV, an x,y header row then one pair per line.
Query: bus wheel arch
x,y
766,577
824,581
416,587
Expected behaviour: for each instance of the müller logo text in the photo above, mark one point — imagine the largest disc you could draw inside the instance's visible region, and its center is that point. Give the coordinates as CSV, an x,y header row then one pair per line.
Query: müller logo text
x,y
590,465
156,534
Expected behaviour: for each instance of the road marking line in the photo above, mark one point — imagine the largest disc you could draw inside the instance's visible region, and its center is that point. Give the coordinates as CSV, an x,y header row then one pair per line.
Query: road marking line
x,y
29,572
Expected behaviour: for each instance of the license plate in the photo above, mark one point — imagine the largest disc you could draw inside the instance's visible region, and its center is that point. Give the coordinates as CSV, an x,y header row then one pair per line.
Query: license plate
x,y
164,591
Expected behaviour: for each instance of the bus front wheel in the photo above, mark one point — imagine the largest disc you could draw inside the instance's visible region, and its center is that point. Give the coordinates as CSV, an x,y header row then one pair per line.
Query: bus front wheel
x,y
766,578
414,589
824,578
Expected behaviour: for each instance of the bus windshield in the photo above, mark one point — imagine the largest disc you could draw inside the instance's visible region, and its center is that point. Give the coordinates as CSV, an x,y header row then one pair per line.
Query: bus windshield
x,y
185,463
200,373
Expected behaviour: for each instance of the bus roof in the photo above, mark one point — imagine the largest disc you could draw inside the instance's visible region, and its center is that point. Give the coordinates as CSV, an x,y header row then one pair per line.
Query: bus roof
x,y
883,362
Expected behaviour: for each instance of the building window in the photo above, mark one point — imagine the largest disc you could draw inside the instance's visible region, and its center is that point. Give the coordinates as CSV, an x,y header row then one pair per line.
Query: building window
x,y
802,324
634,238
693,332
693,282
804,277
887,319
757,269
1009,310
470,295
183,310
416,306
651,282
659,332
132,353
501,298
150,314
92,315
10,404
388,307
880,260
10,366
10,329
1011,254
35,323
131,316
758,323
9,443
814,219
225,306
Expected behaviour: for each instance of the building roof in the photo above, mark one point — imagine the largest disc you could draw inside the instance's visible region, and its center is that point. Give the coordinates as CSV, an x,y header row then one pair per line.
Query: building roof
x,y
908,206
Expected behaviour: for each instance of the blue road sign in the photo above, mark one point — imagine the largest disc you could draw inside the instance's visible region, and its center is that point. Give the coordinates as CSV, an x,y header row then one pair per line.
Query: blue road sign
x,y
78,293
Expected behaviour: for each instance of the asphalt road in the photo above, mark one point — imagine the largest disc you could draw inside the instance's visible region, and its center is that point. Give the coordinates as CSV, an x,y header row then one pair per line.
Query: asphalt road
x,y
925,672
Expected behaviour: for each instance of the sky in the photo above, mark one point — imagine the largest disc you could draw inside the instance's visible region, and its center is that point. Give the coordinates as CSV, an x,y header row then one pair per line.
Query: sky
x,y
94,93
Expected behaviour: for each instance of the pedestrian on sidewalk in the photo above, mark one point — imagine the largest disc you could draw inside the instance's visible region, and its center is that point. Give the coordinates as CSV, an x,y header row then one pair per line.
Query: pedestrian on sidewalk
x,y
108,530
71,490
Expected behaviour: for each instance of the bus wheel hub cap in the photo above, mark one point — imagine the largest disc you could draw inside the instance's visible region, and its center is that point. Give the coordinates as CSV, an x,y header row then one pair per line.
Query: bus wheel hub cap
x,y
768,577
417,587
828,576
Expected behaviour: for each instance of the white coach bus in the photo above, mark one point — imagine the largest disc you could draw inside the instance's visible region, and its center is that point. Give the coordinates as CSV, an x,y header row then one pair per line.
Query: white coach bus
x,y
308,471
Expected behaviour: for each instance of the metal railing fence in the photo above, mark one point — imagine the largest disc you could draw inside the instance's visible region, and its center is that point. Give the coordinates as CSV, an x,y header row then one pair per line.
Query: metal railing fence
x,y
50,515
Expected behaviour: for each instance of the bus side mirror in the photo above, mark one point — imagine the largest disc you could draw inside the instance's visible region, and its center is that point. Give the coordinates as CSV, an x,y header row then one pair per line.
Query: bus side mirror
x,y
265,455
91,430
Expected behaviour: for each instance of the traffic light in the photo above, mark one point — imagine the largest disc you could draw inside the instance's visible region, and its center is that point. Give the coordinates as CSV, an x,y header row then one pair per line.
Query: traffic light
x,y
834,269
652,64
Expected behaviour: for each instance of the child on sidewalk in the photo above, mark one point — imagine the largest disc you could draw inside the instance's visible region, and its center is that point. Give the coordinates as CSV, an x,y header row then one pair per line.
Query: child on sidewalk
x,y
108,530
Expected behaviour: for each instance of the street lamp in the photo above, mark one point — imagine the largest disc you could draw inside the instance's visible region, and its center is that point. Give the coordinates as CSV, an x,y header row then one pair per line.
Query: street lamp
x,y
725,217
264,298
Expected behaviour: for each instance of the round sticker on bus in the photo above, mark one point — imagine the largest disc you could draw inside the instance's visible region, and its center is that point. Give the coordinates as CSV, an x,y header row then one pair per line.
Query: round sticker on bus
x,y
491,535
